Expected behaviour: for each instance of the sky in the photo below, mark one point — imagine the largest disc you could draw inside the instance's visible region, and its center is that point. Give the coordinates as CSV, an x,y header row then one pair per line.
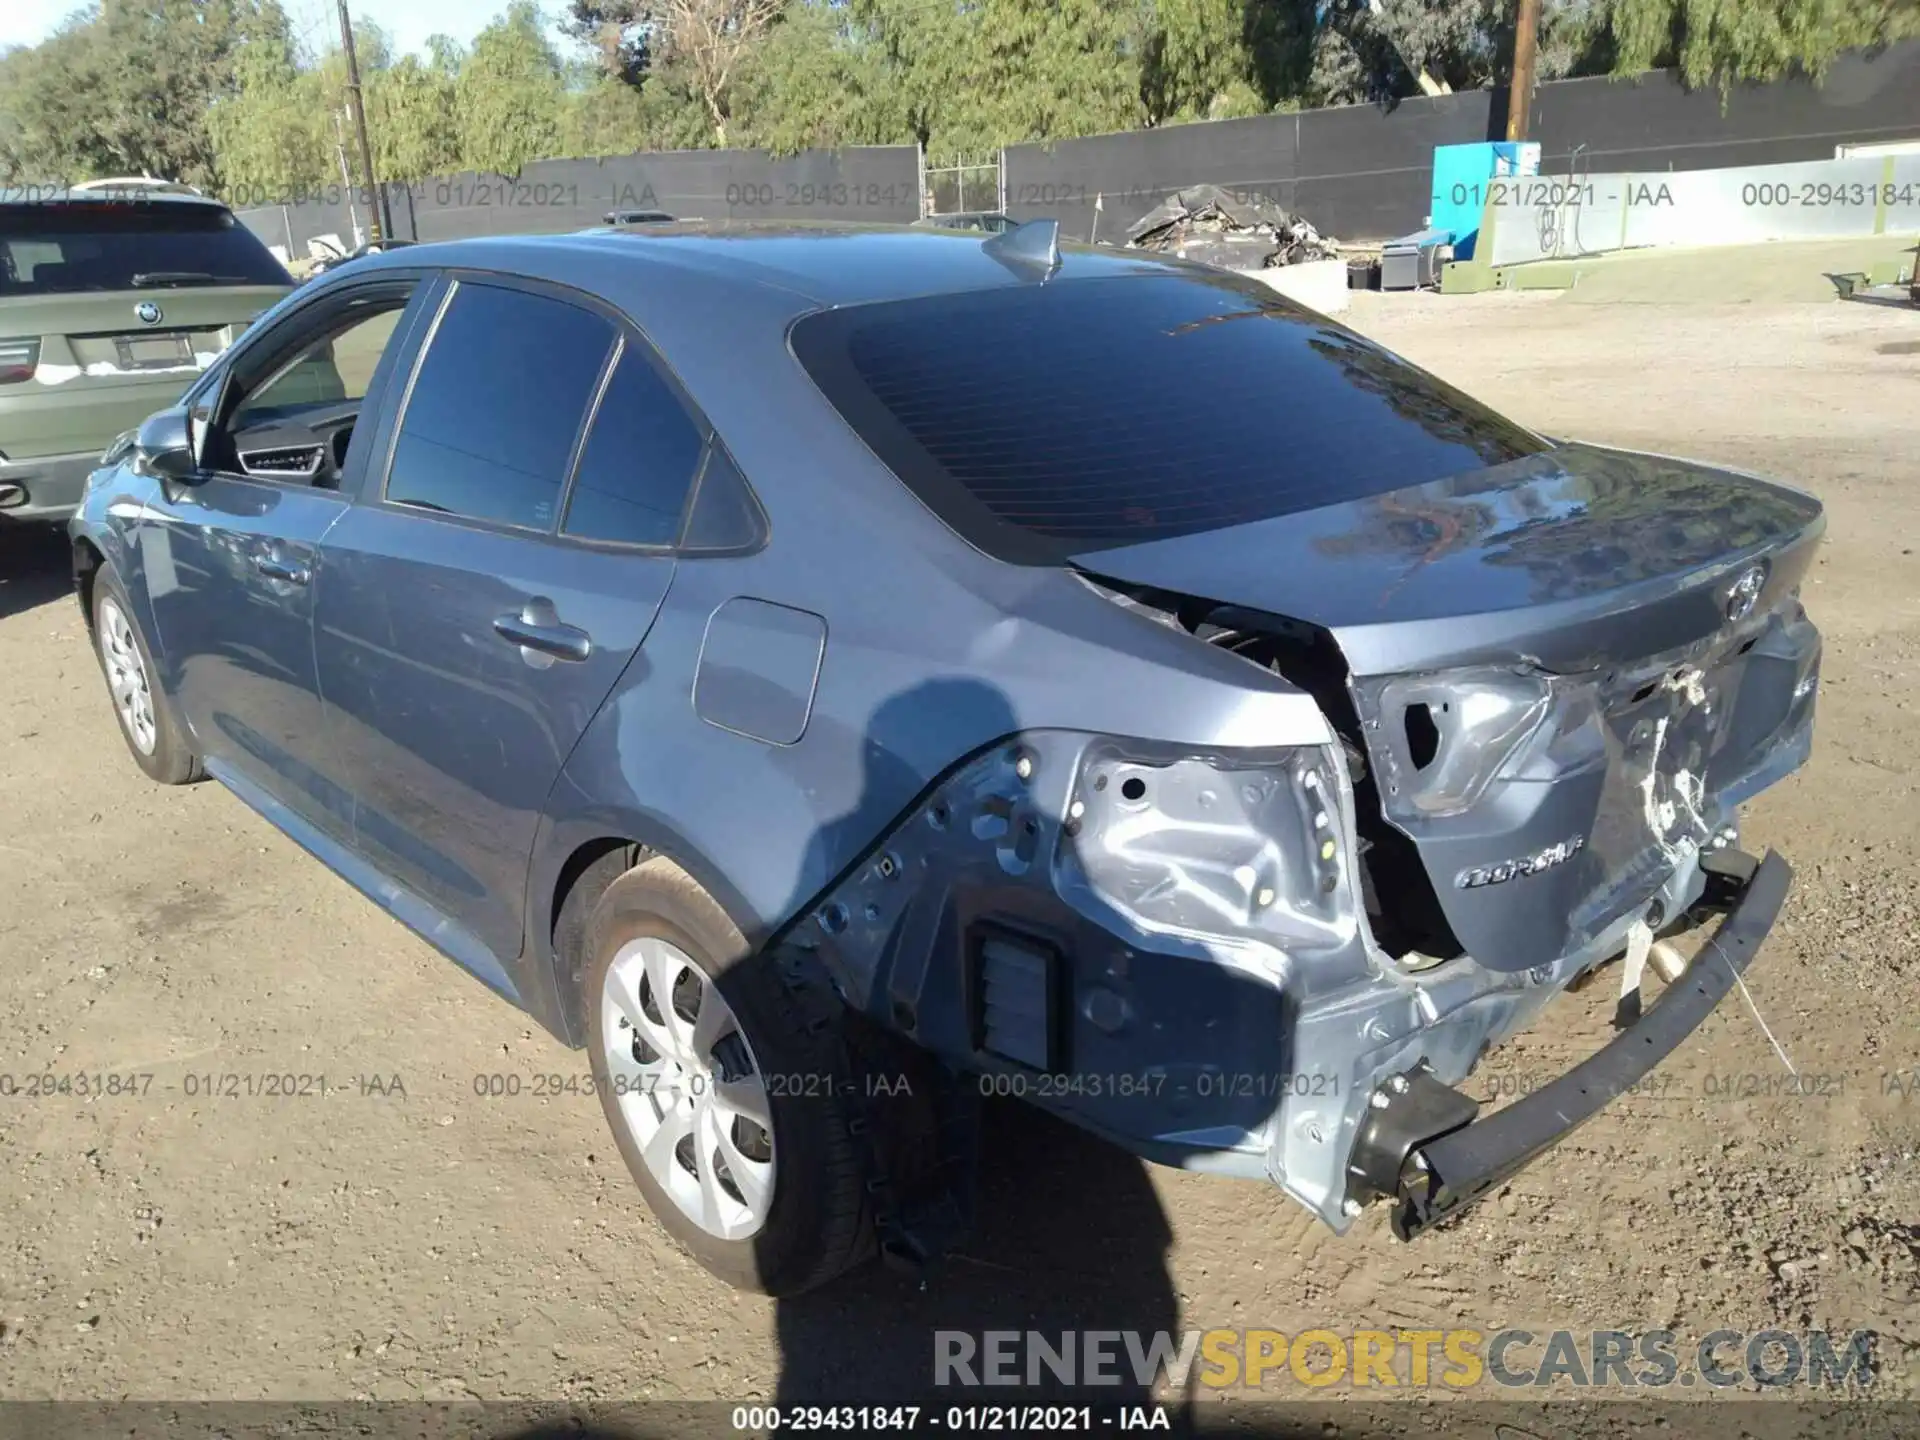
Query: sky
x,y
409,22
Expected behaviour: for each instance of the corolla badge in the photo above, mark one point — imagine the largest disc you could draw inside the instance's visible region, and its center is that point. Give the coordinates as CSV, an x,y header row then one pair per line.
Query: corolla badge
x,y
1478,875
1746,592
148,313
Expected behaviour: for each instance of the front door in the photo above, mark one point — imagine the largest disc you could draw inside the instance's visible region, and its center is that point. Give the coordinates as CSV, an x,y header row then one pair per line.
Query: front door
x,y
482,603
231,558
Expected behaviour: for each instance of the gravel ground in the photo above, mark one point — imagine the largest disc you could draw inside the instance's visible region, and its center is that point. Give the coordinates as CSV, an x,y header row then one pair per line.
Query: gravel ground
x,y
402,1237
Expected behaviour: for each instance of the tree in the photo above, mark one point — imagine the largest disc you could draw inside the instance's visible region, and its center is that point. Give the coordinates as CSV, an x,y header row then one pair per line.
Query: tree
x,y
267,137
1352,53
1717,42
816,82
607,117
124,87
217,92
615,31
706,40
509,95
919,56
46,136
1197,63
412,119
966,78
1054,70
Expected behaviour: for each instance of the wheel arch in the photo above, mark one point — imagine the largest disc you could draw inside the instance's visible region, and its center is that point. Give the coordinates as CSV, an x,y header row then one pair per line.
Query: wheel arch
x,y
581,852
87,562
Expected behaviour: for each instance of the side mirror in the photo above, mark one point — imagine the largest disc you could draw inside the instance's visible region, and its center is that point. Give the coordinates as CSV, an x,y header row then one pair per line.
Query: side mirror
x,y
162,446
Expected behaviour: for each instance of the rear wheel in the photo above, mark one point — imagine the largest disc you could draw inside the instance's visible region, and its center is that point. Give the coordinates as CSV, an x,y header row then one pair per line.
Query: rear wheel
x,y
154,737
719,1073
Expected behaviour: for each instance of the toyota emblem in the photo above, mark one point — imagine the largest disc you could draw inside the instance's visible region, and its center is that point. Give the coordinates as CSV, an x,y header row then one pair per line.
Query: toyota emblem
x,y
148,313
1745,592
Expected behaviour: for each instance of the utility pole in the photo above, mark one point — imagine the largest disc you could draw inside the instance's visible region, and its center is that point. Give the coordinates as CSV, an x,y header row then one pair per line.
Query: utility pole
x,y
346,179
1525,35
376,197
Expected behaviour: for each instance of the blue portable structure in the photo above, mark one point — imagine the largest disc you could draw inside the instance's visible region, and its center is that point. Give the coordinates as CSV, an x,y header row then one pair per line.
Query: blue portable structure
x,y
1461,176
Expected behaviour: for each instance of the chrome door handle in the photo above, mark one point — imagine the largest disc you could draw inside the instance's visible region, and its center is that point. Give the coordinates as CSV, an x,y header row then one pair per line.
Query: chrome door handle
x,y
537,627
275,568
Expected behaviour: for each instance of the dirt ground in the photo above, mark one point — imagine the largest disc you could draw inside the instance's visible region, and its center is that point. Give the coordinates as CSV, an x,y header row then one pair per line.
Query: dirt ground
x,y
412,1239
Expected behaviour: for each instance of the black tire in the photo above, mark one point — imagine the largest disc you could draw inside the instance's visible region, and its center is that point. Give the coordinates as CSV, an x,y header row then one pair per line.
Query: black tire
x,y
171,760
817,1224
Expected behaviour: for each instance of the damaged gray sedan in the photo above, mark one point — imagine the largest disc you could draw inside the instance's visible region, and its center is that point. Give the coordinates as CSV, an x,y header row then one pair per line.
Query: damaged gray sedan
x,y
833,676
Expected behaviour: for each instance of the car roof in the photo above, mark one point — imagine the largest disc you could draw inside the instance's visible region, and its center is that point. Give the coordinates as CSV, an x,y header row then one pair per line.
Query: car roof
x,y
828,265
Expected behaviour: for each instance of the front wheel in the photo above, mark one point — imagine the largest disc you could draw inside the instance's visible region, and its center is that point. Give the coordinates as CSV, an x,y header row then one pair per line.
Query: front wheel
x,y
147,723
720,1076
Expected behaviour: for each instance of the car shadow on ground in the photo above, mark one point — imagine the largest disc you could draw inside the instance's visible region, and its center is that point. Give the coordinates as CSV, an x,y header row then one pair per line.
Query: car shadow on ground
x,y
35,568
1068,1233
1069,1236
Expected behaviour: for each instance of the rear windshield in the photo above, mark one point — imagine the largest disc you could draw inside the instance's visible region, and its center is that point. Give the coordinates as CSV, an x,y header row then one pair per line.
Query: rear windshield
x,y
1044,420
61,247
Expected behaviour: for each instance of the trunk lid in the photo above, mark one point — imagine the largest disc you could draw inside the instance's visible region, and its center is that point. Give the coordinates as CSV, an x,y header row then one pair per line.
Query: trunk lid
x,y
99,370
1567,558
1565,671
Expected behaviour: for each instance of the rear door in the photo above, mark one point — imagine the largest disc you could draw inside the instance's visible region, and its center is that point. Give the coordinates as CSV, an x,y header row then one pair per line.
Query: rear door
x,y
110,307
487,591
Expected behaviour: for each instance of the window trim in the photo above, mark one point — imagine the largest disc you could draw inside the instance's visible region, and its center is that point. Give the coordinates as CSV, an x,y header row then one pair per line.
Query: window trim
x,y
632,340
763,525
283,312
598,398
212,402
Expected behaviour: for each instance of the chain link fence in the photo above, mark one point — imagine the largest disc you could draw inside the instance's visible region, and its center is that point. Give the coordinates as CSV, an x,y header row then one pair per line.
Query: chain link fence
x,y
963,187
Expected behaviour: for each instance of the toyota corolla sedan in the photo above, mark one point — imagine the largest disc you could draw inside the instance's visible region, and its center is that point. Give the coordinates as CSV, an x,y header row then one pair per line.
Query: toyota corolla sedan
x,y
832,675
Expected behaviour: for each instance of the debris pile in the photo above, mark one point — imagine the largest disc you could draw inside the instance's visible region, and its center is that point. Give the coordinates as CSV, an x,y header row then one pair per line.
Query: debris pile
x,y
1237,231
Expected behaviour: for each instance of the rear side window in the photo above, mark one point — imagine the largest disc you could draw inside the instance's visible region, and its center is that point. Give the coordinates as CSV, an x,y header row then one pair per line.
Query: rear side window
x,y
59,247
1042,421
496,406
726,518
638,462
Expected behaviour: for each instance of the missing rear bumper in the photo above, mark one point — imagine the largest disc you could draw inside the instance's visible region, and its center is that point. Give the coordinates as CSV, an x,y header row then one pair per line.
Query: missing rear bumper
x,y
1460,1159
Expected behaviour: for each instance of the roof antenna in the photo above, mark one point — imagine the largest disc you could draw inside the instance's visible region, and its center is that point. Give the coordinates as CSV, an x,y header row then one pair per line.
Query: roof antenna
x,y
1032,248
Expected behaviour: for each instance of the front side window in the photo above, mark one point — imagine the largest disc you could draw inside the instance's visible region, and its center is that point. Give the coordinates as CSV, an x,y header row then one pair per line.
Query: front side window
x,y
337,367
294,399
496,406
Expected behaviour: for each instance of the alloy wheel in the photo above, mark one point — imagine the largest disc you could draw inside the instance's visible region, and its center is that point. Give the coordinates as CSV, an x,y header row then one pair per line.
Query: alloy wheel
x,y
688,1087
127,677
